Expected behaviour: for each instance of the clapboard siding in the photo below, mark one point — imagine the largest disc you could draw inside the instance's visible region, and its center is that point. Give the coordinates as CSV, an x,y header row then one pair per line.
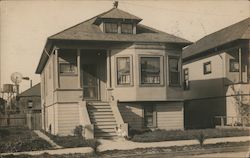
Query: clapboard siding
x,y
132,114
170,116
68,118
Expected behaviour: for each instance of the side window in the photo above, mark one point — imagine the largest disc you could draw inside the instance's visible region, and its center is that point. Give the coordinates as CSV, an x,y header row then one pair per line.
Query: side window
x,y
186,78
68,62
207,68
123,70
234,65
174,71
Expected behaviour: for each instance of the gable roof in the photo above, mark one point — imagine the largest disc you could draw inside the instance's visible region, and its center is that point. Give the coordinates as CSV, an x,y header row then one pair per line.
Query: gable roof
x,y
240,30
33,91
90,31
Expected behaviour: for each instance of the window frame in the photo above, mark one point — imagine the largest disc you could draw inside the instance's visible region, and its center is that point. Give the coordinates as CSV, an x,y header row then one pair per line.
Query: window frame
x,y
130,67
161,57
204,68
105,27
178,71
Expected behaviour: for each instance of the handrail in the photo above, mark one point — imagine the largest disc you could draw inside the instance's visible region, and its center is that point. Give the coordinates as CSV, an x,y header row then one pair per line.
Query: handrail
x,y
84,120
123,126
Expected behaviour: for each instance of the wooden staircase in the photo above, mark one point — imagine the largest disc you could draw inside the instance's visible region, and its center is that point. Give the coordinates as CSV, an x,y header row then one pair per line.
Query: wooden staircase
x,y
101,116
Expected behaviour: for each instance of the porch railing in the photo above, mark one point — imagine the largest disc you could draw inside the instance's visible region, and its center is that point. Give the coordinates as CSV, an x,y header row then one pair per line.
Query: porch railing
x,y
232,121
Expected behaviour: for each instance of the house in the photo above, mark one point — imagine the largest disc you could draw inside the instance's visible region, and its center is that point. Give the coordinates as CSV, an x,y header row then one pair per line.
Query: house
x,y
30,100
29,104
216,77
111,72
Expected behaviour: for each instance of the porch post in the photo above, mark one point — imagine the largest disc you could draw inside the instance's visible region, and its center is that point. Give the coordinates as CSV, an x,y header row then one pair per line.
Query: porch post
x,y
79,67
240,67
108,70
56,79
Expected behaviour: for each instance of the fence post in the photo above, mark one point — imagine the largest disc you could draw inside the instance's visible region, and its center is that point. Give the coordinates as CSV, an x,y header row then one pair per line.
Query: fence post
x,y
222,121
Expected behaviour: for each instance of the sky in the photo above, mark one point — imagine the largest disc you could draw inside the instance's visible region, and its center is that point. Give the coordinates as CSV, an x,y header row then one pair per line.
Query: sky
x,y
25,24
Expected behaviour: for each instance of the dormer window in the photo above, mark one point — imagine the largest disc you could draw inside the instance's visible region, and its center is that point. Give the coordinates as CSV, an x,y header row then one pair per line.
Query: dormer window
x,y
111,27
126,28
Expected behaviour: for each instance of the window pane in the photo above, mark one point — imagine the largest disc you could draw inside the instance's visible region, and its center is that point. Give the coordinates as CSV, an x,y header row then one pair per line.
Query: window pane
x,y
123,70
174,73
127,28
150,70
111,28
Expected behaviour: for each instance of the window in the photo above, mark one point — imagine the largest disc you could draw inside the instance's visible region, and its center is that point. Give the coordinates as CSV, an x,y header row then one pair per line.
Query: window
x,y
186,79
150,70
127,28
174,71
67,62
234,65
207,68
111,27
123,70
67,68
149,116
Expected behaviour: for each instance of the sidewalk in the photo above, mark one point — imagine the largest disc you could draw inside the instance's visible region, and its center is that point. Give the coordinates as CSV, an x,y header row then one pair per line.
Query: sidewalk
x,y
127,145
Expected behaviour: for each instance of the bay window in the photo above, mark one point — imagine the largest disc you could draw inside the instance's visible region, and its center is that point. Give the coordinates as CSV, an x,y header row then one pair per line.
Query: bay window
x,y
174,71
150,70
123,70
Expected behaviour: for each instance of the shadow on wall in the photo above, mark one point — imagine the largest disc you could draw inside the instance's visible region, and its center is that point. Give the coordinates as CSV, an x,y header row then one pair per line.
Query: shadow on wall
x,y
132,114
201,113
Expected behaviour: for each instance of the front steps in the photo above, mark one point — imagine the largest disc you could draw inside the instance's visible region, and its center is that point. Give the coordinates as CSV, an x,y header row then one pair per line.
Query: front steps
x,y
101,116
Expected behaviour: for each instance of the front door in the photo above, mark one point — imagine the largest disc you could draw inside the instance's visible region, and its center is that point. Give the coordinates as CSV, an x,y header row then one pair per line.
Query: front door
x,y
90,82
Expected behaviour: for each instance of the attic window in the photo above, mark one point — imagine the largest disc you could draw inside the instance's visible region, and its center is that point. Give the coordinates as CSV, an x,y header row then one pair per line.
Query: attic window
x,y
127,28
111,28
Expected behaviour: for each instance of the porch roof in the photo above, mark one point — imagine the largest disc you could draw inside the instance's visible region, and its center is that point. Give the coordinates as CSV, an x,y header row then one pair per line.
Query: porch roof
x,y
240,30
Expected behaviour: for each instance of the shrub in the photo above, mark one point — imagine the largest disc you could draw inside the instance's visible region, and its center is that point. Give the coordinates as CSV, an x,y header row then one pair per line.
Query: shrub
x,y
201,138
4,133
93,143
78,131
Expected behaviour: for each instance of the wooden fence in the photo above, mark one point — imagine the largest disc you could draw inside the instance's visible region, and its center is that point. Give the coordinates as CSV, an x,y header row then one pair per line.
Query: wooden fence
x,y
30,120
12,120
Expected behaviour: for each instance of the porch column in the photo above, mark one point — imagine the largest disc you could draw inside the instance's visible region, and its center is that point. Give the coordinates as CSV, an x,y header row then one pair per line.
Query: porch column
x,y
79,67
109,84
56,76
240,66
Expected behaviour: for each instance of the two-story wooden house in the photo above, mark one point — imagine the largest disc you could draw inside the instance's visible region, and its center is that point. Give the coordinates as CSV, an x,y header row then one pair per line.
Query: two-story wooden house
x,y
216,76
111,71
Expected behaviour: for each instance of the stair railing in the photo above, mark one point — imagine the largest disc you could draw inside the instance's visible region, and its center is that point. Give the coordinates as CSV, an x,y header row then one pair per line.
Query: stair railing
x,y
88,128
123,126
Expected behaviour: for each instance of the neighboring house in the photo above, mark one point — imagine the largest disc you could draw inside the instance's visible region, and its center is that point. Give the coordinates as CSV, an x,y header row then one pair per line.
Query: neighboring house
x,y
30,100
110,71
216,76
